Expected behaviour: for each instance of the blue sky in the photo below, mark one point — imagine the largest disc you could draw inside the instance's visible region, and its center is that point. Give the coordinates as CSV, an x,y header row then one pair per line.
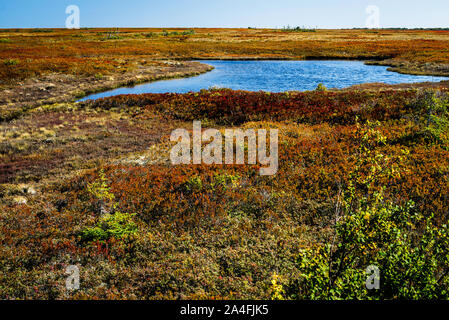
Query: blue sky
x,y
224,13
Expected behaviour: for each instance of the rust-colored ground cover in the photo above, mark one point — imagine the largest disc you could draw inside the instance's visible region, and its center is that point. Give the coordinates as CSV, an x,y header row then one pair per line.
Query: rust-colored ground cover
x,y
91,183
201,231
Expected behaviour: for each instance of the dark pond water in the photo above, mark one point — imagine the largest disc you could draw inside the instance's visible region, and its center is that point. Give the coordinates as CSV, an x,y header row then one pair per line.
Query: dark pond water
x,y
274,76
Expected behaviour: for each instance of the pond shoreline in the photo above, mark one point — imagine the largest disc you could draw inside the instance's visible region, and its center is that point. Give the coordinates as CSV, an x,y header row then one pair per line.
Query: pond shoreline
x,y
287,75
403,67
59,88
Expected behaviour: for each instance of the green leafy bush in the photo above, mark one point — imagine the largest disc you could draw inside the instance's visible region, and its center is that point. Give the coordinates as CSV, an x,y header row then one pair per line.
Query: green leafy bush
x,y
410,251
100,188
150,35
432,114
321,87
118,225
188,32
194,184
225,180
112,223
11,62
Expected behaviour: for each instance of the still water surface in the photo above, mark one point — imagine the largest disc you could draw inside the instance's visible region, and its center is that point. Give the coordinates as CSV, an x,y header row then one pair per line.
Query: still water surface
x,y
274,76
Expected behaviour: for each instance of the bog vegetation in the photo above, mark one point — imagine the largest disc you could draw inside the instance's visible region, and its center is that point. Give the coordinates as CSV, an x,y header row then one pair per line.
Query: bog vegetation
x,y
363,180
28,53
363,175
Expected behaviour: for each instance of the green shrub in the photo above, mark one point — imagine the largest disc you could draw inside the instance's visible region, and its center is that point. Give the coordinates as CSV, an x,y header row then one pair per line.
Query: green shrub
x,y
114,37
113,223
413,264
321,87
276,289
11,62
100,188
117,225
150,35
225,180
194,184
409,250
431,111
188,32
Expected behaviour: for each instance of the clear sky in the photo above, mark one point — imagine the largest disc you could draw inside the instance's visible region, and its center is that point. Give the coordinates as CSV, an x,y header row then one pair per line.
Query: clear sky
x,y
224,13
